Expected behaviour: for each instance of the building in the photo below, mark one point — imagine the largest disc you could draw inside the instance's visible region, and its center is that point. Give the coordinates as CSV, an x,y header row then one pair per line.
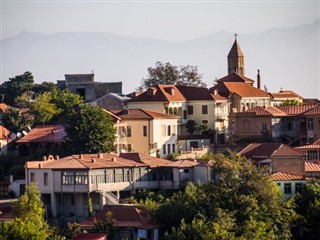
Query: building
x,y
87,88
111,101
147,132
282,96
4,140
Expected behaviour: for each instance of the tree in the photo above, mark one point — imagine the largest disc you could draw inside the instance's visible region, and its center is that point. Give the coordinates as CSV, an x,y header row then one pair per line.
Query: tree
x,y
241,202
43,87
43,109
28,222
90,130
166,73
16,86
191,126
308,207
290,102
16,121
106,225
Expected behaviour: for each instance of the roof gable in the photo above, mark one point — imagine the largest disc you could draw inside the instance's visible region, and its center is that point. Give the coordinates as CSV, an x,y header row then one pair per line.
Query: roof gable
x,y
234,77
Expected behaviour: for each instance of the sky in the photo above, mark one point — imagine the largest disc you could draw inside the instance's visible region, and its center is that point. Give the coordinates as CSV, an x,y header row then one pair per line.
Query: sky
x,y
170,20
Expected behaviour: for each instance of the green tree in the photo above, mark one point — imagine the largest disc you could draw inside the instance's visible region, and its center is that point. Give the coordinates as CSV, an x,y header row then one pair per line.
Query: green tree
x,y
16,86
240,195
290,102
43,109
106,225
29,222
191,126
308,207
43,87
166,73
90,130
16,121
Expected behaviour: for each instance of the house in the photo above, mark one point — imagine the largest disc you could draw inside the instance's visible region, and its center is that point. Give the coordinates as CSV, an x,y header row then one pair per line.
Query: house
x,y
4,140
145,131
42,139
131,223
67,183
87,88
282,96
111,101
311,151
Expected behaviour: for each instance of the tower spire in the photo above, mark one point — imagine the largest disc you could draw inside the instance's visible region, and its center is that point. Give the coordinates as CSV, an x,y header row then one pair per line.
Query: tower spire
x,y
236,59
235,36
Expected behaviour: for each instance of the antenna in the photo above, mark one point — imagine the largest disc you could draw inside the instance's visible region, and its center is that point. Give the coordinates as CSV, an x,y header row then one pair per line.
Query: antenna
x,y
13,136
265,88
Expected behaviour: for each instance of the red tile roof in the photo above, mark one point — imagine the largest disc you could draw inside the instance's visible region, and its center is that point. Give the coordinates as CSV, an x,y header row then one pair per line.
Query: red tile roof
x,y
245,90
195,93
183,164
266,111
279,176
142,114
149,160
286,94
314,111
125,216
4,133
3,107
260,151
295,110
311,166
234,77
85,161
45,134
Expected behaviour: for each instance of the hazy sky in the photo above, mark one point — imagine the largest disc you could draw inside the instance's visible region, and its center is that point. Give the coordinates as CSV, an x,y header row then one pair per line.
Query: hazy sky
x,y
171,20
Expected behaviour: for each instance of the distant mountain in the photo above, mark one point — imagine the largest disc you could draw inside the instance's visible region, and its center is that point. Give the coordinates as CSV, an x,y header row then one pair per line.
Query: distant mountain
x,y
288,58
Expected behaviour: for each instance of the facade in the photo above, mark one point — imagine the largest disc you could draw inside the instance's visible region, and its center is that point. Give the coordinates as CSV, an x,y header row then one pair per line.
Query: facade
x,y
67,183
87,88
148,132
111,101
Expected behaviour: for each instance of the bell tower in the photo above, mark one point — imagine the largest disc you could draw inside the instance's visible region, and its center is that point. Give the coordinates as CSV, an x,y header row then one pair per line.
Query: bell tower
x,y
236,59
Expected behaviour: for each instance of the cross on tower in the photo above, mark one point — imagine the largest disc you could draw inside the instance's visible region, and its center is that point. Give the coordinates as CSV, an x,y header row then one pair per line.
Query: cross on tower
x,y
235,35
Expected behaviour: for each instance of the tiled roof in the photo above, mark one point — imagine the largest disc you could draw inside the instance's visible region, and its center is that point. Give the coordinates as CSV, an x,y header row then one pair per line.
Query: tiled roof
x,y
161,93
308,146
149,160
3,107
85,161
90,236
125,216
245,90
183,164
311,101
295,110
311,166
317,142
195,93
314,111
234,77
142,114
266,111
260,151
4,133
279,176
218,98
45,134
286,94
235,50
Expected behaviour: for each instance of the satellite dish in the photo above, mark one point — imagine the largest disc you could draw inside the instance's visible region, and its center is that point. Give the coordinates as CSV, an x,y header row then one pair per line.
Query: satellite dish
x,y
19,135
13,136
24,133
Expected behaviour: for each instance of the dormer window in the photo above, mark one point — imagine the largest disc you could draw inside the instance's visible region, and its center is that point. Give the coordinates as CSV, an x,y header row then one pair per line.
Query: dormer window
x,y
150,92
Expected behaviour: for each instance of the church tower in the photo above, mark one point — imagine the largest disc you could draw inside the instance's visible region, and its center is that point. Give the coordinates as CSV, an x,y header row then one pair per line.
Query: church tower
x,y
236,59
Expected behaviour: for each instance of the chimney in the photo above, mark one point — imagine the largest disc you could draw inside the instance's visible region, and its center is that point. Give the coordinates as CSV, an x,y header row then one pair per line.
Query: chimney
x,y
80,156
100,155
40,165
57,157
258,79
113,159
93,160
44,158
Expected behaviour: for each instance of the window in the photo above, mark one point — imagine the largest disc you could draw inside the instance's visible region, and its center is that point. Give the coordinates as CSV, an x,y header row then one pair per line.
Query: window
x,y
72,200
164,149
169,148
310,124
169,130
78,178
128,131
204,121
173,148
185,115
186,170
287,188
129,147
264,127
149,93
45,179
204,109
190,110
32,177
312,154
298,187
145,133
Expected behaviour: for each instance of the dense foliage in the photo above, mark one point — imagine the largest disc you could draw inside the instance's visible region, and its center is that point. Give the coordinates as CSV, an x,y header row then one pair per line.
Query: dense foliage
x,y
240,203
166,73
90,130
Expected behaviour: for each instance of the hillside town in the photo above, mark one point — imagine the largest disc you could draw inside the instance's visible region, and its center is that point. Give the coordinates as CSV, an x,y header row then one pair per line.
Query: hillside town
x,y
102,159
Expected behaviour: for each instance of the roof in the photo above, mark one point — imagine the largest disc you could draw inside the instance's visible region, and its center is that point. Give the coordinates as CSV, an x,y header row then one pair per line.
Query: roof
x,y
149,160
295,109
241,89
279,176
234,77
3,107
313,111
235,50
4,133
183,164
142,114
266,111
261,151
85,161
195,93
160,93
312,166
125,216
45,134
286,94
90,236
